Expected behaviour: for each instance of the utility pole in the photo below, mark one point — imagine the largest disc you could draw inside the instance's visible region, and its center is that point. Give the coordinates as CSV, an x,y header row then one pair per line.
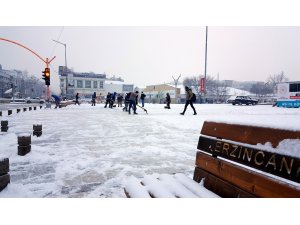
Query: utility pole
x,y
206,29
176,82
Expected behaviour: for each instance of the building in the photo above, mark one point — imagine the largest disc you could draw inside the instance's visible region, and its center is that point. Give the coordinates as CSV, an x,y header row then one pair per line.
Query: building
x,y
117,86
157,93
83,83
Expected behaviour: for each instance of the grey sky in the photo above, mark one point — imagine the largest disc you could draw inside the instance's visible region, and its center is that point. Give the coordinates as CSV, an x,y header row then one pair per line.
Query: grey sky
x,y
152,55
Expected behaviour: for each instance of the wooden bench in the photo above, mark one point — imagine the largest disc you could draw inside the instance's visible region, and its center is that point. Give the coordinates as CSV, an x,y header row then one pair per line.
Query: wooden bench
x,y
231,163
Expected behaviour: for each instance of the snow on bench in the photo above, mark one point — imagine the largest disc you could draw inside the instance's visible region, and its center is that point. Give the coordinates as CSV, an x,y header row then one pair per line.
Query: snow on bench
x,y
166,186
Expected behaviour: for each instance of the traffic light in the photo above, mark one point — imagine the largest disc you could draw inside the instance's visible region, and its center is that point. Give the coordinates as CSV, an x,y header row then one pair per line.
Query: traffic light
x,y
46,76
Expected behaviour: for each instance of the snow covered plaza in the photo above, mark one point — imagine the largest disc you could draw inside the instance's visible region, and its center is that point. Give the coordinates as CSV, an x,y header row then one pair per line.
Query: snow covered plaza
x,y
89,151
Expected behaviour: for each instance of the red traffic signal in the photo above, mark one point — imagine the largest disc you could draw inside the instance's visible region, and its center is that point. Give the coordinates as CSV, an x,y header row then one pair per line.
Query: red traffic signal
x,y
46,76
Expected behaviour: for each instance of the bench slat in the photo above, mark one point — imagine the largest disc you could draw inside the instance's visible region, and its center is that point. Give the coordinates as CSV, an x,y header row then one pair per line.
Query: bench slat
x,y
248,180
276,164
219,186
247,134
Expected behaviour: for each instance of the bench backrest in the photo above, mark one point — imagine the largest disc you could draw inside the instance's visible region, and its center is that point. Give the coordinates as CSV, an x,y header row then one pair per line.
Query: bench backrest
x,y
234,167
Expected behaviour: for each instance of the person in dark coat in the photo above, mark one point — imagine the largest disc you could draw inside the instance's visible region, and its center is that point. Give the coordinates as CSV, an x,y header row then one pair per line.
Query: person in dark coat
x,y
108,98
77,99
94,99
189,95
143,98
120,100
133,101
126,101
168,101
112,100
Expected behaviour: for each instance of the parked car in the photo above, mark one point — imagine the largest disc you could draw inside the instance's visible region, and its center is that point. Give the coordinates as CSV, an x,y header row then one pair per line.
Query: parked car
x,y
240,100
35,100
17,100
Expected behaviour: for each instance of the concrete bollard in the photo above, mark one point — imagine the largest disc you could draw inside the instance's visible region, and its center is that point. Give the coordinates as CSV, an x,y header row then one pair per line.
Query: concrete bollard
x,y
37,130
4,175
4,125
24,142
30,108
24,109
9,112
34,107
18,110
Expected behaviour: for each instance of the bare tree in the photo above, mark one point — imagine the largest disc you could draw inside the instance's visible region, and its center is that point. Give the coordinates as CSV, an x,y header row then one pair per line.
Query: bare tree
x,y
261,89
275,79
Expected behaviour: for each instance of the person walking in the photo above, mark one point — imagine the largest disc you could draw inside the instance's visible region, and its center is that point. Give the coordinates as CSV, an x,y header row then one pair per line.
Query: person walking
x,y
133,101
143,98
168,101
77,99
189,100
94,99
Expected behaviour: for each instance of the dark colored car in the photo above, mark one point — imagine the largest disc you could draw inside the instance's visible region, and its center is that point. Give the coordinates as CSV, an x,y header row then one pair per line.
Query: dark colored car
x,y
240,100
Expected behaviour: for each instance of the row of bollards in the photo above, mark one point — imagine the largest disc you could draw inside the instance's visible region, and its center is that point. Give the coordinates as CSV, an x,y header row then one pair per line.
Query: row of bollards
x,y
10,111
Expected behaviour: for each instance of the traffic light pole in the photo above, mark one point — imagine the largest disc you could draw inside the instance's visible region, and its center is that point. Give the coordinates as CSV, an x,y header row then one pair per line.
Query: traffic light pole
x,y
47,62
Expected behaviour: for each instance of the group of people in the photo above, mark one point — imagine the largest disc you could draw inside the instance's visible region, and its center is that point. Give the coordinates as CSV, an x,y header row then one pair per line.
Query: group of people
x,y
131,100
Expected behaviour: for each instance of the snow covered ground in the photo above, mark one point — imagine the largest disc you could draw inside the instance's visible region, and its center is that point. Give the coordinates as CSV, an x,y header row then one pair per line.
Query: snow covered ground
x,y
90,151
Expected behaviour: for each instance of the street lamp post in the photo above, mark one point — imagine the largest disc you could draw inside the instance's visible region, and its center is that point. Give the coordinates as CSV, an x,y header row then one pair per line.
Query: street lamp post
x,y
66,67
205,62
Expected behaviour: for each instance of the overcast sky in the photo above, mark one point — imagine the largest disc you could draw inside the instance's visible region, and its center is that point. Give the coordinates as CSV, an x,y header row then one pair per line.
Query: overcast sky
x,y
152,55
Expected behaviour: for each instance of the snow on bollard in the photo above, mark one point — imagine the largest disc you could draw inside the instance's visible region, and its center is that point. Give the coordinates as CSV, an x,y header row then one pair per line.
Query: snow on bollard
x,y
41,107
4,125
9,112
24,142
37,130
18,110
0,113
24,109
30,108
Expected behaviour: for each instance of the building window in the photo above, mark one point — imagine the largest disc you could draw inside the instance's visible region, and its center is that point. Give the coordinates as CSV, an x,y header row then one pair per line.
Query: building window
x,y
101,85
95,84
294,87
127,88
88,84
79,83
